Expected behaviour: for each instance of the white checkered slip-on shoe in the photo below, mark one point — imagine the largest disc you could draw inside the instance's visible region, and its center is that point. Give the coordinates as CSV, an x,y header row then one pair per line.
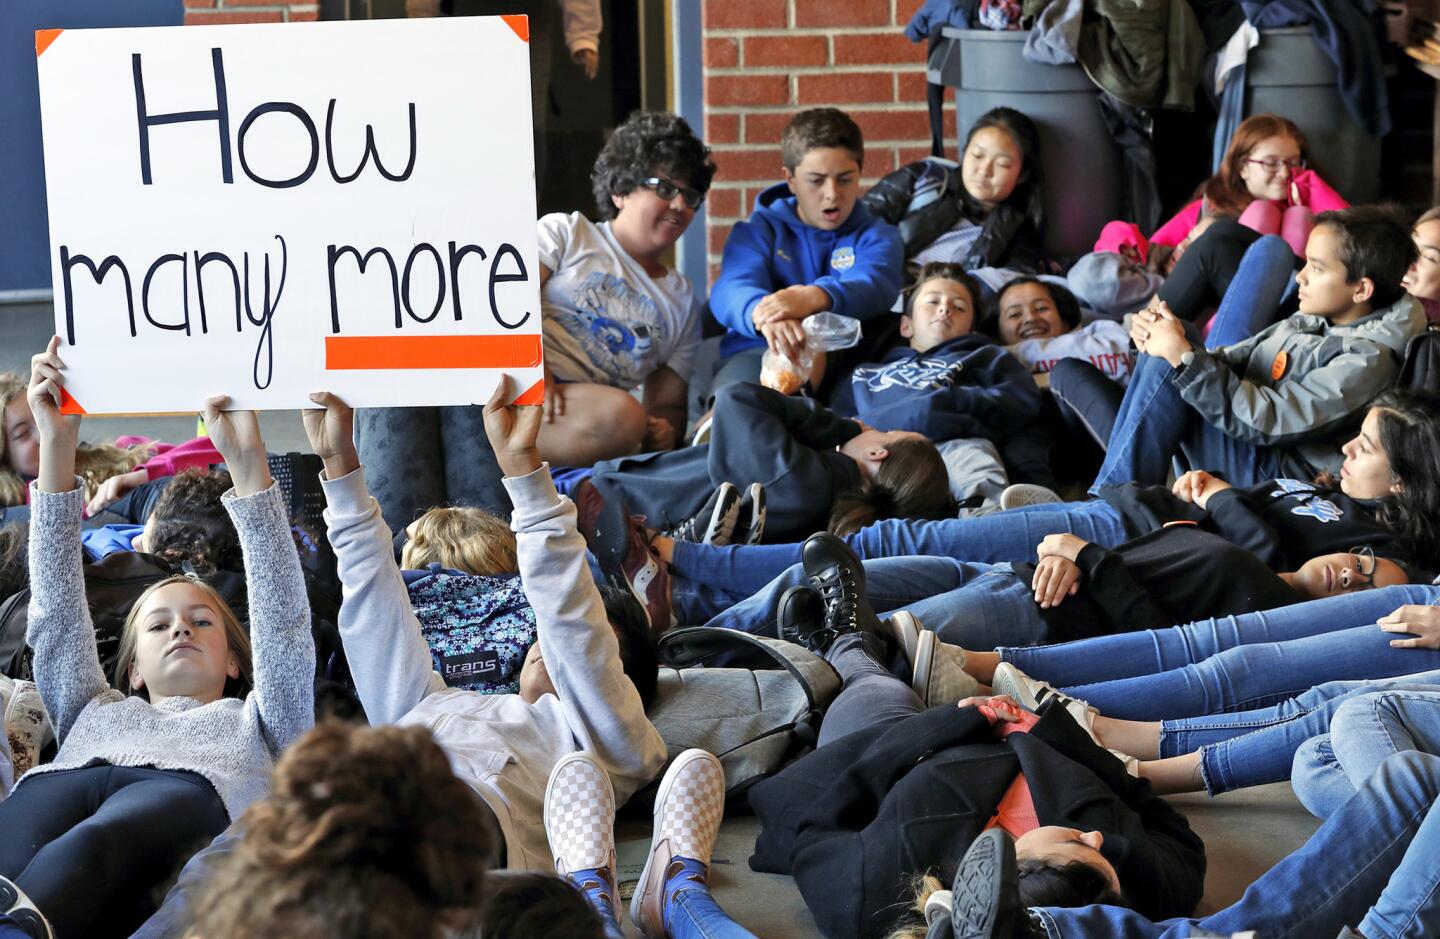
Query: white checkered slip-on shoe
x,y
938,671
905,629
580,817
688,808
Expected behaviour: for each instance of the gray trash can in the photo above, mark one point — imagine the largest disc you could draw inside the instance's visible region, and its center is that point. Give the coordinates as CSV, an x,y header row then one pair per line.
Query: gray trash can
x,y
1288,74
1080,160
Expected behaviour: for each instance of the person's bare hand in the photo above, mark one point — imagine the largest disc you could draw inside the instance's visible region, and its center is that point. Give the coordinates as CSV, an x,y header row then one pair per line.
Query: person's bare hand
x,y
113,489
1159,332
790,303
660,434
1422,622
785,337
1061,545
236,434
1197,486
43,396
588,59
1055,579
512,429
554,405
331,430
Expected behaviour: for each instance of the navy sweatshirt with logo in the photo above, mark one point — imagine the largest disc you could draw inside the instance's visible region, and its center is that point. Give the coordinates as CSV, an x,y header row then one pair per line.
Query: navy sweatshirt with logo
x,y
859,264
965,387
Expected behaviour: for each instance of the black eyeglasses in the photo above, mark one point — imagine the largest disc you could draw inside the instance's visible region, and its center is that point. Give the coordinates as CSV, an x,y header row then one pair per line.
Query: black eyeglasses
x,y
1364,566
667,190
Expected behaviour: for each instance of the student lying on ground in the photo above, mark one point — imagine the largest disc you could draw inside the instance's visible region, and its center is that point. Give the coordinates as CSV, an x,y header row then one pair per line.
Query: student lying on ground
x,y
148,774
894,791
1387,496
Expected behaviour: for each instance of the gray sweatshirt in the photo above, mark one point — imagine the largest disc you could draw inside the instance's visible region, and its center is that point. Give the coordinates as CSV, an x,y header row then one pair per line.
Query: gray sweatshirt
x,y
499,744
230,742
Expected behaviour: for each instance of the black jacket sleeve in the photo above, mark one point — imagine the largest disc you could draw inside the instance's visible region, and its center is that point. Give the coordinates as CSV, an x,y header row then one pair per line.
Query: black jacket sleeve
x,y
1109,584
1239,522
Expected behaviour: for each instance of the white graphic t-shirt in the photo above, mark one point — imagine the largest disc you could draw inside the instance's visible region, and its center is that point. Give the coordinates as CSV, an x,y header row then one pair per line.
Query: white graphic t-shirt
x,y
1103,343
605,320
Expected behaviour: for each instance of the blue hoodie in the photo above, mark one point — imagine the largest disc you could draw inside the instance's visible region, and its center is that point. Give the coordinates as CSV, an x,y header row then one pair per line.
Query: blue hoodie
x,y
964,387
860,265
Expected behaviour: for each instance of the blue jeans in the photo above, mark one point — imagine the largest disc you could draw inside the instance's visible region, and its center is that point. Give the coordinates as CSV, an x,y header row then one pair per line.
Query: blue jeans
x,y
692,913
1251,748
1011,536
1155,423
1252,300
977,606
1371,863
1233,662
1365,731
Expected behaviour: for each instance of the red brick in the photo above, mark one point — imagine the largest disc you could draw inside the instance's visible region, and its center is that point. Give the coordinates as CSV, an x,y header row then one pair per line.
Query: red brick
x,y
876,49
912,154
912,88
722,90
879,161
744,14
905,11
714,274
912,124
722,53
842,13
764,127
199,4
786,50
722,128
742,165
845,87
216,17
255,3
304,16
716,235
723,203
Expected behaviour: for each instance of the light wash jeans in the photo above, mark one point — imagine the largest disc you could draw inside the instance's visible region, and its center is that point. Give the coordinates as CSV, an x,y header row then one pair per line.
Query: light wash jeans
x,y
1236,662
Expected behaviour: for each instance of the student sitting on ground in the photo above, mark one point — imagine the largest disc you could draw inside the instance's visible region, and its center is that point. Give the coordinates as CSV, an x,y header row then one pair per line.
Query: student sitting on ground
x,y
146,775
984,213
1275,404
615,316
1038,322
808,247
950,384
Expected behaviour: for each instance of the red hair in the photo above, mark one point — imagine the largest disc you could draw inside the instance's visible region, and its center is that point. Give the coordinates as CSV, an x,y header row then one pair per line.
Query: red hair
x,y
1225,193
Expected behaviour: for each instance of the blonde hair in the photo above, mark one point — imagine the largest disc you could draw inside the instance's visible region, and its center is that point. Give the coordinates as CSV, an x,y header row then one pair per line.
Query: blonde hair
x,y
94,462
236,638
465,539
912,926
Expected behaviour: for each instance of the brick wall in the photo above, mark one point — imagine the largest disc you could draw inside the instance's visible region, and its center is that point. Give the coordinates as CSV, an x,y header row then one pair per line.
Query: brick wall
x,y
199,12
767,59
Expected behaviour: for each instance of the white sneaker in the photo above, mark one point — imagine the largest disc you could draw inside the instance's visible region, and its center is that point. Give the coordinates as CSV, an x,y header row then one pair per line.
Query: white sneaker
x,y
688,808
24,914
905,628
1013,497
1030,692
938,672
580,821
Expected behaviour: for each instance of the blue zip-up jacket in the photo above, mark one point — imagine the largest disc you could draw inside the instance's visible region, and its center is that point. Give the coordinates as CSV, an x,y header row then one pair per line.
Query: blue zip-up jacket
x,y
860,265
965,387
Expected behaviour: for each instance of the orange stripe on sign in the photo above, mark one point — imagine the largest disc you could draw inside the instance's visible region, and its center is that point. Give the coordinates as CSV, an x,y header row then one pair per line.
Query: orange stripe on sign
x,y
43,38
408,352
518,22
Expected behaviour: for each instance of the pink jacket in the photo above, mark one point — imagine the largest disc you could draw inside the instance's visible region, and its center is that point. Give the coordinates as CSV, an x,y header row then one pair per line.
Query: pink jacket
x,y
171,458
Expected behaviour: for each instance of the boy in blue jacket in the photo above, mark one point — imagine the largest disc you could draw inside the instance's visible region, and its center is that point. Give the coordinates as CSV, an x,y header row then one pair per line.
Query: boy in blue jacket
x,y
955,386
807,248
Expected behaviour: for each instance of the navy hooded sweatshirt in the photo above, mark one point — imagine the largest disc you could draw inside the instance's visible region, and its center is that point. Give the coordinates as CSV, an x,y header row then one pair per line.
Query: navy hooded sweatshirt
x,y
965,387
860,265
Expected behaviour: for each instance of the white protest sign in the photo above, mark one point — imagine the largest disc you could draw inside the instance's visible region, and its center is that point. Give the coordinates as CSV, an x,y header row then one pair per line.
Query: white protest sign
x,y
265,211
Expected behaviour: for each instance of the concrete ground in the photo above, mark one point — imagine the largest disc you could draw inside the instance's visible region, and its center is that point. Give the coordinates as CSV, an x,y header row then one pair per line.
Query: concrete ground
x,y
1245,832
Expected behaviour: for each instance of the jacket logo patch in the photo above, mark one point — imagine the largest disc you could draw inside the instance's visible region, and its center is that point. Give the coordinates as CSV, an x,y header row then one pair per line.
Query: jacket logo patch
x,y
842,259
918,374
780,253
1322,510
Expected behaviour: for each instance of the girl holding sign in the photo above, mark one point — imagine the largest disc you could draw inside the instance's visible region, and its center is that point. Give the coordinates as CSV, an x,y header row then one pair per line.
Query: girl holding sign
x,y
148,774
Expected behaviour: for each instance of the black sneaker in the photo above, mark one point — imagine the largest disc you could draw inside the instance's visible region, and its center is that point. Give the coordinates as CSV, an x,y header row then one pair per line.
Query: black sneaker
x,y
986,892
799,616
23,914
750,526
714,524
837,573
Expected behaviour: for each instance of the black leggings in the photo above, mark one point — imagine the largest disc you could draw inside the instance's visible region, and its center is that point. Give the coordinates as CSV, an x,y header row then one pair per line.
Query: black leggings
x,y
1203,273
90,846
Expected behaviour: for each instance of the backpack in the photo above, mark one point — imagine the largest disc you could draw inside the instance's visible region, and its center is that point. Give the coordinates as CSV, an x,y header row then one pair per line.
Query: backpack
x,y
478,628
757,713
1421,369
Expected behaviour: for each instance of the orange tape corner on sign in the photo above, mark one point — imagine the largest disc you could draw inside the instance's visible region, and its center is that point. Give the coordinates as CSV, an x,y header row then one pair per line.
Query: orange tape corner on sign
x,y
535,394
68,404
518,22
43,39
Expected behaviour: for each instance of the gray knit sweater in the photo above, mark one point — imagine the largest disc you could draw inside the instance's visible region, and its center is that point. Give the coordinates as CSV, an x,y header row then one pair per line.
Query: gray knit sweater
x,y
231,742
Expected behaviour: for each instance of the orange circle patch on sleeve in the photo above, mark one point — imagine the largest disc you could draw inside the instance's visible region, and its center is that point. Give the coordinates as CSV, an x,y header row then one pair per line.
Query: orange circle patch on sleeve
x,y
1277,367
